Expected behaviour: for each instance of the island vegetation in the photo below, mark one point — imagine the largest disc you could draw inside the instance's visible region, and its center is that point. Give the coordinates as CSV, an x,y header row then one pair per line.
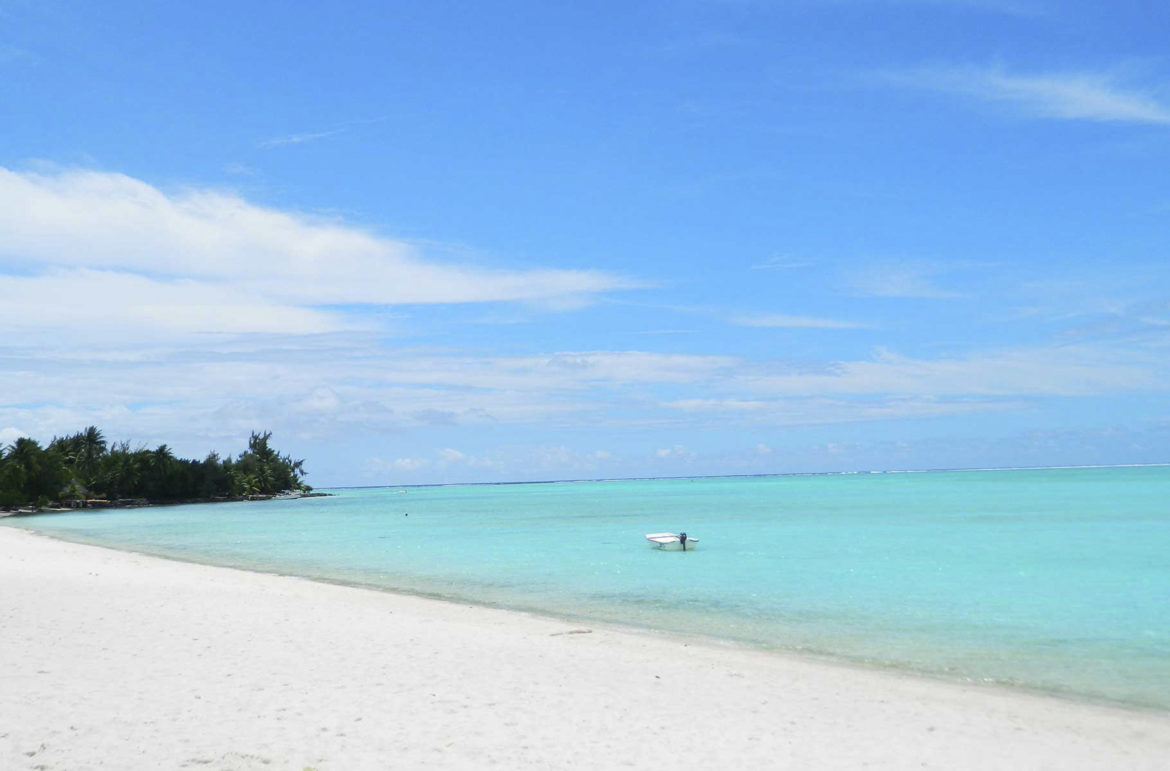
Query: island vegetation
x,y
85,470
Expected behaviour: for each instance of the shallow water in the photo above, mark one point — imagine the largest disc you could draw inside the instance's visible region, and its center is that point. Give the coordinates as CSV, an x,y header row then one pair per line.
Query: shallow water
x,y
1055,579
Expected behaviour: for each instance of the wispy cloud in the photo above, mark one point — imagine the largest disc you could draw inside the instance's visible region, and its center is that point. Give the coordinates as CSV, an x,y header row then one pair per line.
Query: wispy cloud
x,y
551,459
239,169
796,322
280,382
298,139
313,136
156,309
899,279
675,452
782,262
10,435
1036,371
727,316
207,260
1062,96
814,410
201,308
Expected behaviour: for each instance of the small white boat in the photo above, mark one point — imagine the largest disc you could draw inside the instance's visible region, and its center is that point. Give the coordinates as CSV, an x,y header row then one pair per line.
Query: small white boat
x,y
672,541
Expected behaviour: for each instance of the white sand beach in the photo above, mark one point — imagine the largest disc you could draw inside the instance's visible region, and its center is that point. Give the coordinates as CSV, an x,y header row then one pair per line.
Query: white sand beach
x,y
119,661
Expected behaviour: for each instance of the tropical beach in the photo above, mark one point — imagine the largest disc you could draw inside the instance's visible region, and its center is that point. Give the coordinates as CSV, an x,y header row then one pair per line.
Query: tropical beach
x,y
117,660
667,383
531,626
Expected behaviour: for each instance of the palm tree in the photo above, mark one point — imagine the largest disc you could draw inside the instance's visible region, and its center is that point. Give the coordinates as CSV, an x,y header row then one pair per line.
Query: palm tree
x,y
39,474
160,464
120,472
10,485
84,464
244,483
92,446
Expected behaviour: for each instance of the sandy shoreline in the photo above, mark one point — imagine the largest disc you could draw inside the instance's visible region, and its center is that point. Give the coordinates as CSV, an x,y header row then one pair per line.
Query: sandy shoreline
x,y
117,660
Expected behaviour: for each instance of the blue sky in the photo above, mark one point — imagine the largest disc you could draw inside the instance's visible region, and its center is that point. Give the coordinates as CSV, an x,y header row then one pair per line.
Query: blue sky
x,y
440,242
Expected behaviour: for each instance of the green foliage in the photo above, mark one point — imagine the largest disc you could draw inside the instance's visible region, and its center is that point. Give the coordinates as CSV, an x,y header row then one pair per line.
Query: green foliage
x,y
32,474
84,465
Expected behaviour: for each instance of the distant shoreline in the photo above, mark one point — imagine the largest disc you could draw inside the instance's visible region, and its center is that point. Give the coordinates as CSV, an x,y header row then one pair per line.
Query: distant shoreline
x,y
874,472
138,503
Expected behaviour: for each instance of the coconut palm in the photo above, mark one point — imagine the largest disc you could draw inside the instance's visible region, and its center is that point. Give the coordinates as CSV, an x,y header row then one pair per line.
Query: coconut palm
x,y
84,464
38,474
91,449
120,472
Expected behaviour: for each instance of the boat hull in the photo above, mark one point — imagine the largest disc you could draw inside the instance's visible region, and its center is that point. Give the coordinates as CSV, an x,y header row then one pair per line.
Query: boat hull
x,y
671,542
676,546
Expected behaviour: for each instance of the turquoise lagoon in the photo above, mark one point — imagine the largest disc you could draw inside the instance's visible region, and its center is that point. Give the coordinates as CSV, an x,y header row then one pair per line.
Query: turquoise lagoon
x,y
1055,579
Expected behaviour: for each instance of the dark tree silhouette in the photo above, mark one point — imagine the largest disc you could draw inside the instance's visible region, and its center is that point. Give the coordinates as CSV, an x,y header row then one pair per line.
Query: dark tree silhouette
x,y
84,465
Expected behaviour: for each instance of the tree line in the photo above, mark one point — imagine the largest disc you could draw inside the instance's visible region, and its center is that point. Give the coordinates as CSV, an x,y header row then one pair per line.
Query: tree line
x,y
84,466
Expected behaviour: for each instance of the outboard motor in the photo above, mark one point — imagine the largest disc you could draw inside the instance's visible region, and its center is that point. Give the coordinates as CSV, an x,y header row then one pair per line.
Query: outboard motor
x,y
682,537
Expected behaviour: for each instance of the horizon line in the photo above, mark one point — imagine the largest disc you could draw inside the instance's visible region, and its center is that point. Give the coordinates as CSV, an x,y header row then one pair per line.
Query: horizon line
x,y
751,476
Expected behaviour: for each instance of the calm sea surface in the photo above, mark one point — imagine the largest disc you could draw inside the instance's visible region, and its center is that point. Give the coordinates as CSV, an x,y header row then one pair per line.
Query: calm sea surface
x,y
1057,580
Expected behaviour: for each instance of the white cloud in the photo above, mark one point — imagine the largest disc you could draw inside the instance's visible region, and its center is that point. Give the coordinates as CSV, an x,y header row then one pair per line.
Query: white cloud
x,y
1065,96
633,366
718,405
1049,371
379,467
815,410
677,452
899,280
240,169
409,464
447,456
312,136
10,435
549,461
798,322
552,373
335,388
87,303
210,309
208,260
322,400
782,262
296,139
836,448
